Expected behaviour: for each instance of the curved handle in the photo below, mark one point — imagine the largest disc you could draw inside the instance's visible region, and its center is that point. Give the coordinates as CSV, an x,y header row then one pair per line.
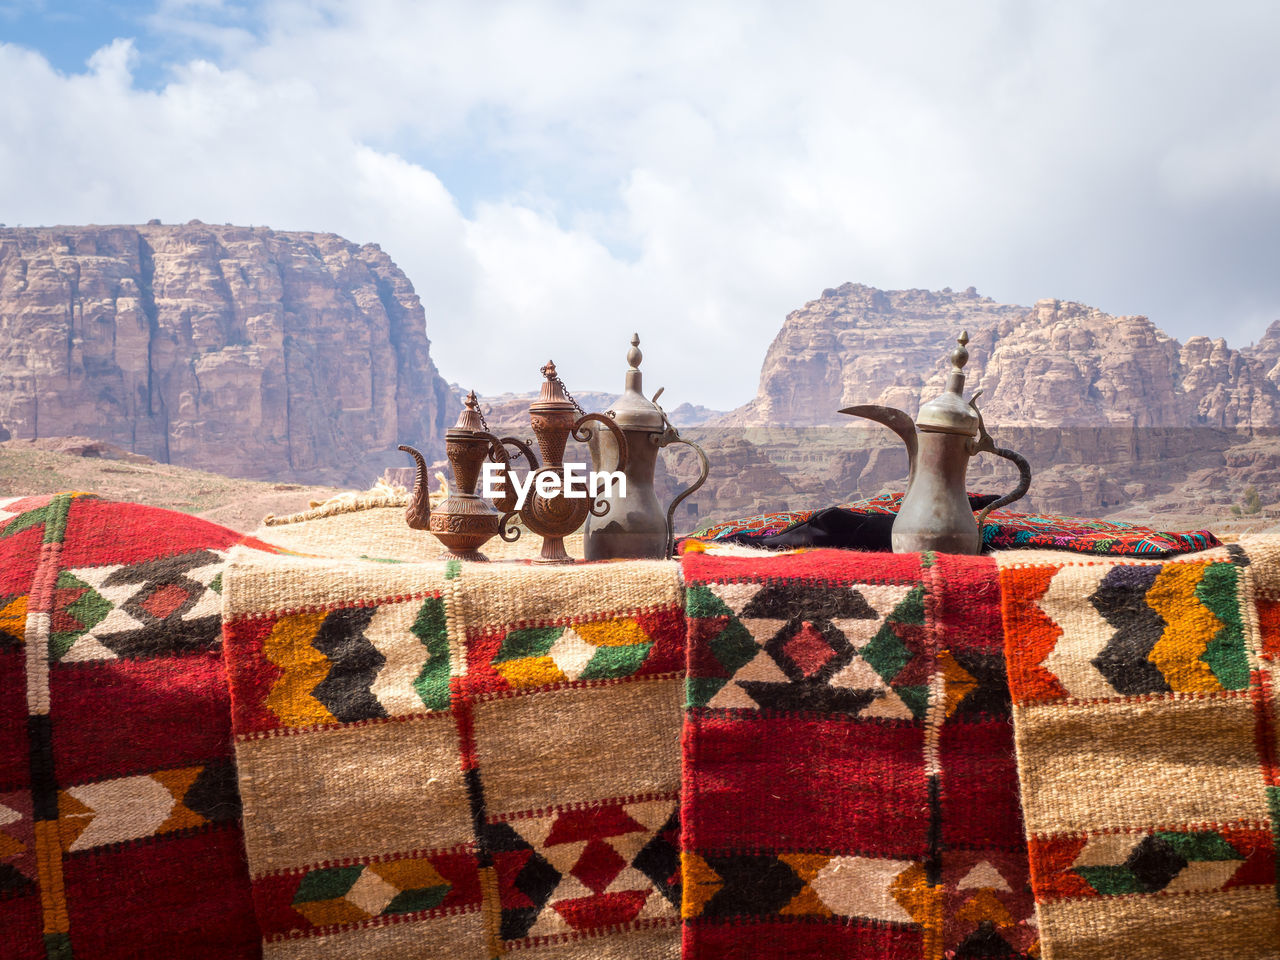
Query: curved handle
x,y
1017,493
507,530
984,444
623,452
600,507
498,454
667,440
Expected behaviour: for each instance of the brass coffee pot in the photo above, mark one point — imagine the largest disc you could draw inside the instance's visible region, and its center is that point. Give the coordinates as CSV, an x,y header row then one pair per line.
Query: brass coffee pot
x,y
464,522
636,526
554,416
935,512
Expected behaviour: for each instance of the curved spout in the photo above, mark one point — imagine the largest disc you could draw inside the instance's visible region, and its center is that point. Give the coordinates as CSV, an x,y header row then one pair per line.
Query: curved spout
x,y
899,421
418,513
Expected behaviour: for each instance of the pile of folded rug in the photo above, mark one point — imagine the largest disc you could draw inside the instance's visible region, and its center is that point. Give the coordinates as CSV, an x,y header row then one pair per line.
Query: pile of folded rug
x,y
316,744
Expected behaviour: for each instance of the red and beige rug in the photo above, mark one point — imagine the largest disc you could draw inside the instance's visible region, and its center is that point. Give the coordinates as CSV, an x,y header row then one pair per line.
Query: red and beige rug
x,y
213,748
120,830
849,788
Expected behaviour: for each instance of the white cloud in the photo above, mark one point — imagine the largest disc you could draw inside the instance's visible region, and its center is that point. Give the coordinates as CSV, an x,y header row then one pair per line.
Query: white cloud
x,y
692,170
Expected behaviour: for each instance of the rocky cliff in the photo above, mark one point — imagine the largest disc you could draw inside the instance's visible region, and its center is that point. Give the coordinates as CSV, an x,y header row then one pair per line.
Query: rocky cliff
x,y
857,344
237,350
1114,415
1054,364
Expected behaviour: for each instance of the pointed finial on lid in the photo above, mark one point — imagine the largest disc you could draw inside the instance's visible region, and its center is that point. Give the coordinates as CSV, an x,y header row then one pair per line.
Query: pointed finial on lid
x,y
552,388
632,411
960,355
948,412
470,418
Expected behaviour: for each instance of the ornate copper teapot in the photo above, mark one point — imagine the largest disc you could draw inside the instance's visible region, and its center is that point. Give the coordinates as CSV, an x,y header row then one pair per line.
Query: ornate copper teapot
x,y
935,512
636,526
464,522
547,510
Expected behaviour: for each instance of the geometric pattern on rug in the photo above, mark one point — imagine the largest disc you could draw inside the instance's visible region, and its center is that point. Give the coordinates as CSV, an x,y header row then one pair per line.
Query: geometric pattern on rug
x,y
1145,713
832,699
169,605
860,652
356,892
131,808
345,665
1139,629
588,868
1160,861
530,656
119,809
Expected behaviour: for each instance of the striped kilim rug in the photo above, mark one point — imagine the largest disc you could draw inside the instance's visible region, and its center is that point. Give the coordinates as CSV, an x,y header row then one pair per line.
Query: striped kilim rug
x,y
1145,707
459,761
849,784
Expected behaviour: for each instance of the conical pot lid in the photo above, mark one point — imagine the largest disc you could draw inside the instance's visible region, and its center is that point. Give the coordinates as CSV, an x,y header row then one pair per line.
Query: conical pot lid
x,y
632,411
948,412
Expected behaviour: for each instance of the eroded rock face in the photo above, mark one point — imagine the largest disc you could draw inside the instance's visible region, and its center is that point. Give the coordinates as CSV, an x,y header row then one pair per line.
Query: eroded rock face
x,y
1111,412
1065,364
857,344
1054,364
237,350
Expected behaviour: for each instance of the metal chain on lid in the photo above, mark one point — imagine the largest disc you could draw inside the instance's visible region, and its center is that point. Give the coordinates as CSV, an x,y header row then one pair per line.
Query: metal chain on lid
x,y
568,396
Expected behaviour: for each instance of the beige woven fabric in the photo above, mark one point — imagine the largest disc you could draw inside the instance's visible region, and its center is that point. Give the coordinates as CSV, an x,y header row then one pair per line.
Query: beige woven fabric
x,y
1145,721
457,760
374,526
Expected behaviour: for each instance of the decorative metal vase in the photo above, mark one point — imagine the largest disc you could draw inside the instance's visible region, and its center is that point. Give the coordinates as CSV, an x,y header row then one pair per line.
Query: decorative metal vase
x,y
636,526
935,512
464,522
555,416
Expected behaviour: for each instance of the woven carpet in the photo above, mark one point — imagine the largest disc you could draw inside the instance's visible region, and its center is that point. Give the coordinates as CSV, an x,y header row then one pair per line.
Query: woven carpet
x,y
866,525
1145,707
467,761
119,817
849,787
458,761
371,525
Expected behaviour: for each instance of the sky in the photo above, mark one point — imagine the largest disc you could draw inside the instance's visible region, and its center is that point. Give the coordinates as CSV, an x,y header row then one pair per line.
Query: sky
x,y
553,176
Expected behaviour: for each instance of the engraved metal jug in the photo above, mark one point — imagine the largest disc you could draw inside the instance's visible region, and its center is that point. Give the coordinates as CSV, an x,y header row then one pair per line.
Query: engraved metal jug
x,y
554,417
635,526
935,512
465,521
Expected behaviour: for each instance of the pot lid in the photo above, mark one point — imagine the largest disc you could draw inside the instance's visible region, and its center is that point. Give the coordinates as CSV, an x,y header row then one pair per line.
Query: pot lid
x,y
632,411
948,412
470,420
552,396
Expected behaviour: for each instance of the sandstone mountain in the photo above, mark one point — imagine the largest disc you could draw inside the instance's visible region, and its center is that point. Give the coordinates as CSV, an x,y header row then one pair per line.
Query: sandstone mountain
x,y
1055,364
1116,417
303,357
237,350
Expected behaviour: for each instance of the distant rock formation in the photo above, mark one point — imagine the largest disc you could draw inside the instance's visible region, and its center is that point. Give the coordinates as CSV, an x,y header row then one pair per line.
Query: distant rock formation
x,y
237,350
1113,413
1055,364
857,344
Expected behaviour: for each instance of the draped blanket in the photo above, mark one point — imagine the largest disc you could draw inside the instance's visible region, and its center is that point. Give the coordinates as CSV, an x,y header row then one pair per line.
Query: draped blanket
x,y
1145,707
210,747
458,761
119,817
849,789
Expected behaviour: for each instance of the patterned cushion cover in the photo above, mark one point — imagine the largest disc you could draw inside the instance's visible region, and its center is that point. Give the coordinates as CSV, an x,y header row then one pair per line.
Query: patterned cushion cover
x,y
1004,530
